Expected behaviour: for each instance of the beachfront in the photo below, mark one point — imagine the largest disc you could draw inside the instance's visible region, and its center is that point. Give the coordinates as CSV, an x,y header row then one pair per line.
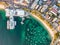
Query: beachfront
x,y
49,9
47,25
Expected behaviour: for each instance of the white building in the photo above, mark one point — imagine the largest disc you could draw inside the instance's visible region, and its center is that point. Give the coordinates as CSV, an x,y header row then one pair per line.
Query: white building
x,y
20,13
34,4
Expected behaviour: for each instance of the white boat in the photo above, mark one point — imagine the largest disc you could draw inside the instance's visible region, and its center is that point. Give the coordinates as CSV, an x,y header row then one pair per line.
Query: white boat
x,y
12,22
8,26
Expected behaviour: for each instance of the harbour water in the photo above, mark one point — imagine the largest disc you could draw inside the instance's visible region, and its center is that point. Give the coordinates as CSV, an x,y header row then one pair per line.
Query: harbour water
x,y
31,32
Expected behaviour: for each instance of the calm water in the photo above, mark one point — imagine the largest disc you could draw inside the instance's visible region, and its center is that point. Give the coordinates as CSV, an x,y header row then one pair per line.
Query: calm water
x,y
30,33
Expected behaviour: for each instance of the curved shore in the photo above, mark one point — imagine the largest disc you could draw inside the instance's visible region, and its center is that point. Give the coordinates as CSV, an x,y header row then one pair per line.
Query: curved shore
x,y
38,16
49,30
47,25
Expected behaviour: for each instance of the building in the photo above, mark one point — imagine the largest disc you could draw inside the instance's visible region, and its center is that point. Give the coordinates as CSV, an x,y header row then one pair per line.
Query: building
x,y
54,19
54,10
44,8
34,4
22,2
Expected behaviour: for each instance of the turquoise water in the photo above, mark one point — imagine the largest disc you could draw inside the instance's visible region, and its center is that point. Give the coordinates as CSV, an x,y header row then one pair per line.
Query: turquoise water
x,y
30,33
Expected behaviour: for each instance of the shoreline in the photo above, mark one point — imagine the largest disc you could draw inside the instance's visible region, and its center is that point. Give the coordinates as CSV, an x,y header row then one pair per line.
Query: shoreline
x,y
44,22
45,26
38,16
41,24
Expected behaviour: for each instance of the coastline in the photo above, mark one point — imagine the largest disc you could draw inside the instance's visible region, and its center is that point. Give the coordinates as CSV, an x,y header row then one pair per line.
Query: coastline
x,y
38,16
46,25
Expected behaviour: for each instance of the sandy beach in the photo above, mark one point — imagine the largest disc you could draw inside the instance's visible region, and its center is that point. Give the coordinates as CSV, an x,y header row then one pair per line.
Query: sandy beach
x,y
37,15
45,24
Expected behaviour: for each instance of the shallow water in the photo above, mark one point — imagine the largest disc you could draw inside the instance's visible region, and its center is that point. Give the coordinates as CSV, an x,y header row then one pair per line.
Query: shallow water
x,y
30,33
